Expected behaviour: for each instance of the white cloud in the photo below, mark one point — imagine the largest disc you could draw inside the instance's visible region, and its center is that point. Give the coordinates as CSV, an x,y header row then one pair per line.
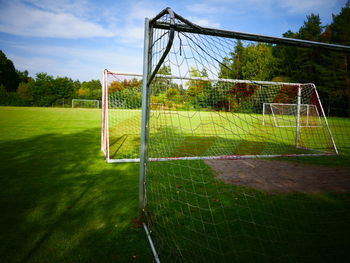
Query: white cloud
x,y
75,7
132,34
204,22
308,6
132,31
140,11
83,63
19,19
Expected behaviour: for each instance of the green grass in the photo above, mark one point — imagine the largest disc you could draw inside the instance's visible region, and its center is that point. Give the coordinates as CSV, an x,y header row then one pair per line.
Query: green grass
x,y
196,218
191,212
220,133
59,200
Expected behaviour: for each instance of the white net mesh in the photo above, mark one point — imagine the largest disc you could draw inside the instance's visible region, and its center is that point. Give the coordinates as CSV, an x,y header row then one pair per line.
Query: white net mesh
x,y
81,103
201,117
200,207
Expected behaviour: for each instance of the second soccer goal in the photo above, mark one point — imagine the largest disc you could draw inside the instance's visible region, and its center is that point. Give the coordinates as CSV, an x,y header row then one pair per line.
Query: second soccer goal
x,y
291,115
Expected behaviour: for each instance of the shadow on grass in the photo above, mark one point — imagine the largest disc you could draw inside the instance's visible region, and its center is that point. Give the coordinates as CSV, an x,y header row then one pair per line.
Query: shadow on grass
x,y
170,142
60,202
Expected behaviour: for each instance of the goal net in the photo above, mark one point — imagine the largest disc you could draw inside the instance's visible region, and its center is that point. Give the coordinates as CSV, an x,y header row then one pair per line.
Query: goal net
x,y
195,116
80,103
208,118
174,104
121,116
291,115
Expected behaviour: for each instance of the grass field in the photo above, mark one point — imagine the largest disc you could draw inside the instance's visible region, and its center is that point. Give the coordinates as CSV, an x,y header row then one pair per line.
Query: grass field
x,y
210,133
59,200
197,218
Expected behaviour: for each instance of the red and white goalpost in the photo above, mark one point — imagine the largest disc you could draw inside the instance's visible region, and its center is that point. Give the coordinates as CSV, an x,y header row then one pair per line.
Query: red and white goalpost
x,y
121,115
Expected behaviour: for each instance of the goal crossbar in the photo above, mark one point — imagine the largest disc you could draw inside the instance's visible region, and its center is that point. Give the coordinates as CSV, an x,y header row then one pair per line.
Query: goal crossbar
x,y
190,27
258,82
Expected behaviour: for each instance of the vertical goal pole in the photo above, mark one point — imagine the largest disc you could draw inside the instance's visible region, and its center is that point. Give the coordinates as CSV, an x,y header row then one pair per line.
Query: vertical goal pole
x,y
103,133
325,119
263,117
298,117
105,114
273,115
145,117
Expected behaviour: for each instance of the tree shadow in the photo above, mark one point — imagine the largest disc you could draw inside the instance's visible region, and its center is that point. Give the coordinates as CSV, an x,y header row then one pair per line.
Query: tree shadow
x,y
171,142
60,201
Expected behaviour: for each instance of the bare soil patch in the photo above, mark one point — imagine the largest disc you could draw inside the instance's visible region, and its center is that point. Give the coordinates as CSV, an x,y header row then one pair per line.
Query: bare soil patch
x,y
282,176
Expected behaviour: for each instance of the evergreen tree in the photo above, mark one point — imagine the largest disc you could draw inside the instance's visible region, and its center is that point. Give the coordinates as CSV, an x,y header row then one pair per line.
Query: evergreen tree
x,y
337,76
231,67
308,60
8,75
257,62
285,58
340,26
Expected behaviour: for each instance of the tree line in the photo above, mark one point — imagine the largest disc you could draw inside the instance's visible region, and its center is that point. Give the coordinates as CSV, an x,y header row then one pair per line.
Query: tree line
x,y
17,88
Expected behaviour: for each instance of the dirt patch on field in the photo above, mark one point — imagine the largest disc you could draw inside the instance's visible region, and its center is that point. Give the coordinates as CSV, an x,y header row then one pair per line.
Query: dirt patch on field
x,y
282,176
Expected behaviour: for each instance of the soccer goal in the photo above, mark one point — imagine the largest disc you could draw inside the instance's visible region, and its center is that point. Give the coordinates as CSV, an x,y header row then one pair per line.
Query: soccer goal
x,y
195,115
121,116
174,106
81,103
291,115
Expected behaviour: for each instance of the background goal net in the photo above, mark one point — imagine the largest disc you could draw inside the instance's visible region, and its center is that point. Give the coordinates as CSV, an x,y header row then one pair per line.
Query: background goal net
x,y
288,115
121,116
81,103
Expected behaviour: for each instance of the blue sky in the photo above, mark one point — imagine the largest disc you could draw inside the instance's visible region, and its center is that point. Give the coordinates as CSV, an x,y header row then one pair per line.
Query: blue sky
x,y
79,39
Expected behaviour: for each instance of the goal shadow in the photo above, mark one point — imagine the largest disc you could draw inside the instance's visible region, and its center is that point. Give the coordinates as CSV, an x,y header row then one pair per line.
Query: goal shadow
x,y
189,145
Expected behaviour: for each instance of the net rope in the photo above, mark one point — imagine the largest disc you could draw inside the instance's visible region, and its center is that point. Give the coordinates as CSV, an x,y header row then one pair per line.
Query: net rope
x,y
195,215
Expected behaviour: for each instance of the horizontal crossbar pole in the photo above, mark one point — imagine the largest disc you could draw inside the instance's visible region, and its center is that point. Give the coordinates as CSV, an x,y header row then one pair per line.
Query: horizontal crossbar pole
x,y
230,80
302,126
252,37
212,79
222,157
236,157
135,160
85,100
127,74
288,104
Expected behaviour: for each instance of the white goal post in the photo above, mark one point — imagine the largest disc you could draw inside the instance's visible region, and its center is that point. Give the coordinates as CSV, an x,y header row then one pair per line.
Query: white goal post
x,y
121,116
82,103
